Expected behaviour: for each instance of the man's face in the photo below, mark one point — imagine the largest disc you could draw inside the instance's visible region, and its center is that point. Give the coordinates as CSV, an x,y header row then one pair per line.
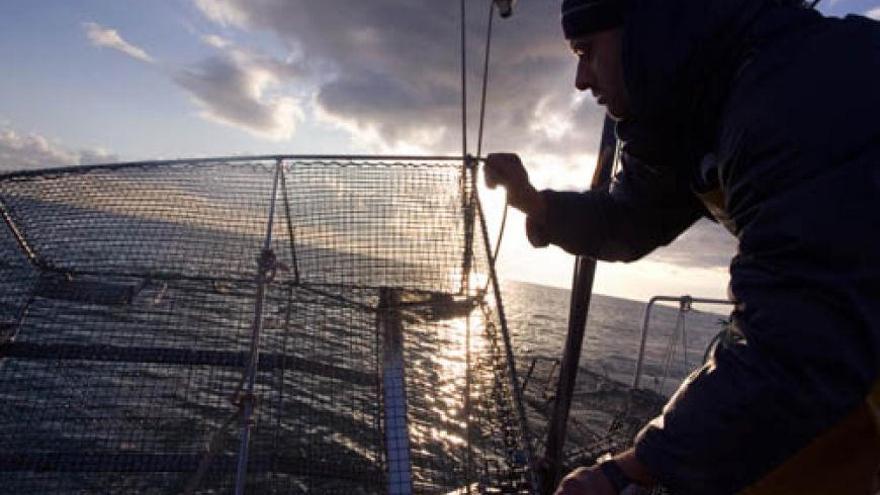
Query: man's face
x,y
600,69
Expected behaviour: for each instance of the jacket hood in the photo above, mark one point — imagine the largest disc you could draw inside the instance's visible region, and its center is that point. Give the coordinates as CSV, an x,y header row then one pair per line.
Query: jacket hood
x,y
679,55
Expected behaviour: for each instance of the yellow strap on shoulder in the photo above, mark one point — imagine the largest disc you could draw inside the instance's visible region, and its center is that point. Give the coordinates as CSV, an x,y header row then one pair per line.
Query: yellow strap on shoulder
x,y
874,404
844,460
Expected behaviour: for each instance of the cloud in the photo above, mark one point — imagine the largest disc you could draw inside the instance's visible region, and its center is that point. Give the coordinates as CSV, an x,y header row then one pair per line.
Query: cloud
x,y
216,41
243,89
390,71
234,87
873,13
110,38
705,245
222,12
20,151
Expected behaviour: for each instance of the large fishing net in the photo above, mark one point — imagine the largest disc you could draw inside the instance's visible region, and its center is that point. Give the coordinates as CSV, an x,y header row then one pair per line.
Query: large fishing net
x,y
285,325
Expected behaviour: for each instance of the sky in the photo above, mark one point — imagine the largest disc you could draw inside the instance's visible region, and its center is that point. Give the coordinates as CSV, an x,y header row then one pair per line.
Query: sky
x,y
98,81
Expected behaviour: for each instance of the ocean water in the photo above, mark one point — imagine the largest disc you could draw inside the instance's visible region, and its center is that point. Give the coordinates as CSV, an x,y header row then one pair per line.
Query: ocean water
x,y
320,404
676,344
538,318
135,367
325,414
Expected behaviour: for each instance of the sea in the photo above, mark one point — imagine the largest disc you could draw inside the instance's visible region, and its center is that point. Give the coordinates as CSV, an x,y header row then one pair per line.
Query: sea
x,y
609,405
146,366
676,341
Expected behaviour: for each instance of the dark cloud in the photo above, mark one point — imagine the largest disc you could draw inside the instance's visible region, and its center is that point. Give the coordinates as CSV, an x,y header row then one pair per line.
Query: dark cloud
x,y
233,87
20,151
395,69
239,88
390,71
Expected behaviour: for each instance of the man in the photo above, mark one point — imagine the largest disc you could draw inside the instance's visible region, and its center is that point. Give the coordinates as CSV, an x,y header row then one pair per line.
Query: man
x,y
766,114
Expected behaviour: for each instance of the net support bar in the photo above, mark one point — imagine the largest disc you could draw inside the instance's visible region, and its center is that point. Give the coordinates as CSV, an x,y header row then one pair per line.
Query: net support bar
x,y
394,391
248,400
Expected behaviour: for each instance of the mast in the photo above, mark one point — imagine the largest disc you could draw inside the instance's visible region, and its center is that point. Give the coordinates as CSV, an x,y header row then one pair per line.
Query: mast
x,y
581,293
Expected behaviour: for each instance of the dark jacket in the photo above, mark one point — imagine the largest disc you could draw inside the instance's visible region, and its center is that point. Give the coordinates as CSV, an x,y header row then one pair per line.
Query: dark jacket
x,y
780,108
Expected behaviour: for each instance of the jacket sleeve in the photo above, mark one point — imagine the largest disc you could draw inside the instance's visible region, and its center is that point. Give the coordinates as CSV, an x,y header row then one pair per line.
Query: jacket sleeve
x,y
646,207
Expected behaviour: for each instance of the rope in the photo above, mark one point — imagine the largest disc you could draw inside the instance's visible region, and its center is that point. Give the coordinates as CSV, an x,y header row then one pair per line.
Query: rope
x,y
500,233
511,363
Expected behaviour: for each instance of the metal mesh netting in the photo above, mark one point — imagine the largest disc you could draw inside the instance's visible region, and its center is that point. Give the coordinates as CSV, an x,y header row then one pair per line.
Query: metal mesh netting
x,y
128,301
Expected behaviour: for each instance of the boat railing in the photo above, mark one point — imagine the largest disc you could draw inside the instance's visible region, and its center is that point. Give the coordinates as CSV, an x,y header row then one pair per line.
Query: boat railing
x,y
685,305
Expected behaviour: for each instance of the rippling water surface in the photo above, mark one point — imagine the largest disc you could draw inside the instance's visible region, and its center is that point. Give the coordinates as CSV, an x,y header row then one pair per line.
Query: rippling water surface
x,y
538,316
143,386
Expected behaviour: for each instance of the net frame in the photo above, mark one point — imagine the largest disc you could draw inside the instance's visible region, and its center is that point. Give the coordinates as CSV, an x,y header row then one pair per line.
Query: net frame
x,y
60,253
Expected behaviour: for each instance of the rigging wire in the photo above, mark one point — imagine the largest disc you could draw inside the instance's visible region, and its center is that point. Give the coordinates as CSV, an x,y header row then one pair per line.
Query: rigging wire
x,y
485,80
494,254
464,147
468,253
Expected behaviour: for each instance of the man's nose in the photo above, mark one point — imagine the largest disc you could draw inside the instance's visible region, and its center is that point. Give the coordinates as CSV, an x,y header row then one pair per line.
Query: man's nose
x,y
584,78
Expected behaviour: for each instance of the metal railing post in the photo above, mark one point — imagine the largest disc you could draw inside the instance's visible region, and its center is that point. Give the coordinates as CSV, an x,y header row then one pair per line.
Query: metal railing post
x,y
681,300
581,292
248,399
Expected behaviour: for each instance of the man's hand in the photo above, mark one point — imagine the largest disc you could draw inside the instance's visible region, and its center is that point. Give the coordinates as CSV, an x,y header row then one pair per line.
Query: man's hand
x,y
591,481
585,481
506,170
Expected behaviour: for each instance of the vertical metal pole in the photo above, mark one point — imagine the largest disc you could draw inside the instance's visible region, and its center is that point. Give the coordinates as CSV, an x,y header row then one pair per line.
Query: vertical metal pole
x,y
397,447
470,171
581,292
23,244
643,340
466,194
289,228
248,398
469,452
464,147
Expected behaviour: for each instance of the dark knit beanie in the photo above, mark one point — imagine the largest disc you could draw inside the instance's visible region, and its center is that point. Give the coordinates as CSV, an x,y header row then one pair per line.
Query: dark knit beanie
x,y
582,17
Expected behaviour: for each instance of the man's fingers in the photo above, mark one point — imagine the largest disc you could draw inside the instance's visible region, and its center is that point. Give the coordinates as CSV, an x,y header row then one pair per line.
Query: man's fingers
x,y
503,169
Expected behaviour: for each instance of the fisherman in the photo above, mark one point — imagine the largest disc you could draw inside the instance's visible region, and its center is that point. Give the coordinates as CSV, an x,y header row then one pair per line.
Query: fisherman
x,y
764,113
